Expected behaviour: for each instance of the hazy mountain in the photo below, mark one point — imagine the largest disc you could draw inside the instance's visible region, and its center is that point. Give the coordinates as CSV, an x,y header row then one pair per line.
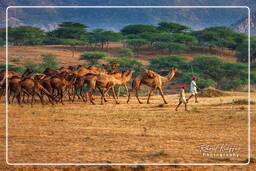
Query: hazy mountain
x,y
242,25
116,18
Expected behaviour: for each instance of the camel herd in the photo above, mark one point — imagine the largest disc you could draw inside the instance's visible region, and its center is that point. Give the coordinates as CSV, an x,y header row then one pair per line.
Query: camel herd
x,y
78,82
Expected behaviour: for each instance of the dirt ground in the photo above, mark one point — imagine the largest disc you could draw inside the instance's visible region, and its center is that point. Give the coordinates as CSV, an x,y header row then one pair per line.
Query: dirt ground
x,y
134,133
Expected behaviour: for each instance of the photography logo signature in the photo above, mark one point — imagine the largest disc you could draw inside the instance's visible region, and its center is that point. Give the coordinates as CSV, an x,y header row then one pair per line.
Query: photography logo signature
x,y
219,150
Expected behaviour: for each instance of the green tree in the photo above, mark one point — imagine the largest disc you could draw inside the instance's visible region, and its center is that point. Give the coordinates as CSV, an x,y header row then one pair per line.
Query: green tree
x,y
172,27
70,30
164,63
93,56
73,44
138,28
210,66
128,63
136,44
104,37
125,52
2,36
26,35
171,47
242,51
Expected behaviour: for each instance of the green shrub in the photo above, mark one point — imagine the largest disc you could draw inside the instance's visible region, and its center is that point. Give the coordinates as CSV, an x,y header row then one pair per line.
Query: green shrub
x,y
171,47
233,84
93,56
253,77
125,52
11,67
164,63
35,67
49,61
128,63
210,66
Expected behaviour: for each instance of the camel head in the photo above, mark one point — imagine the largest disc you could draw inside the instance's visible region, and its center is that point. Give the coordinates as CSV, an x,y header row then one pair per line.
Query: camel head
x,y
171,73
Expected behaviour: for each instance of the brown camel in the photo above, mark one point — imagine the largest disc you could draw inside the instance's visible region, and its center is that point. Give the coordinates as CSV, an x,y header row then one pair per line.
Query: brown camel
x,y
33,88
125,76
152,80
61,84
102,80
50,72
13,84
82,70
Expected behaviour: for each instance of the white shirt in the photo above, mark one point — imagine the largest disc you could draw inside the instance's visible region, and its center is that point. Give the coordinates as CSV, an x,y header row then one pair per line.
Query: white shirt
x,y
193,86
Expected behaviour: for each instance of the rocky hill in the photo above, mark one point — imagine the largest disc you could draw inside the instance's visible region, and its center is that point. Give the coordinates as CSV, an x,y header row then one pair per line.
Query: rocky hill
x,y
242,25
115,19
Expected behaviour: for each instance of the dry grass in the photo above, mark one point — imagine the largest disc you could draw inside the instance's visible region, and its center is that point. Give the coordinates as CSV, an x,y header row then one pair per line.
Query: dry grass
x,y
212,92
125,133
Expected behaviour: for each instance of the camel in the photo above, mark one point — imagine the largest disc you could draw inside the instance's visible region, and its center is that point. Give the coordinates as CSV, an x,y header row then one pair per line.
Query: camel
x,y
102,80
82,70
33,88
13,83
50,72
125,76
68,70
152,80
62,83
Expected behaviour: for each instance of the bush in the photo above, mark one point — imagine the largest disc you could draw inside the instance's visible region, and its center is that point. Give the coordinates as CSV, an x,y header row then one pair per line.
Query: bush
x,y
49,61
233,84
35,67
164,63
253,77
93,56
125,52
210,66
11,67
171,47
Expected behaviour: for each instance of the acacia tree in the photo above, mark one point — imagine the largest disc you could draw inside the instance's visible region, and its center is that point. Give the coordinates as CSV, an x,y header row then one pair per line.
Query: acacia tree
x,y
242,51
104,37
172,27
26,35
73,44
136,44
138,28
93,56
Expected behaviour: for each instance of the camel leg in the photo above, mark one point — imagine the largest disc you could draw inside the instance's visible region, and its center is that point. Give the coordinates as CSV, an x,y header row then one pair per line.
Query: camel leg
x,y
61,95
137,95
149,95
129,96
126,88
118,92
114,94
32,99
41,97
162,94
104,94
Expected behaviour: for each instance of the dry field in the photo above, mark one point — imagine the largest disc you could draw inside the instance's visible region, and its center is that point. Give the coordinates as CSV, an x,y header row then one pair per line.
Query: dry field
x,y
134,133
22,54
